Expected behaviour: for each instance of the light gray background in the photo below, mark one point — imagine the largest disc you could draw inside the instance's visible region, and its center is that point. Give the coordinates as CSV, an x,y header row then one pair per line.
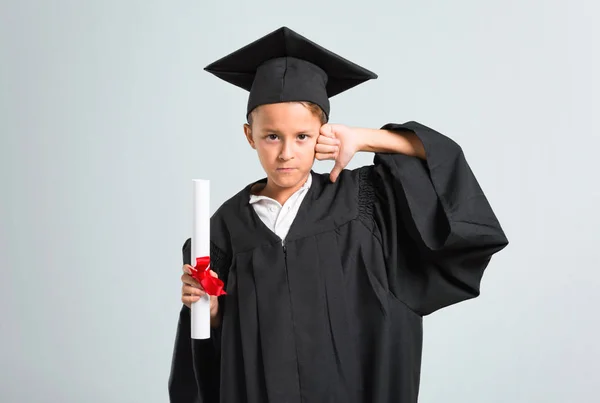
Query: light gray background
x,y
106,116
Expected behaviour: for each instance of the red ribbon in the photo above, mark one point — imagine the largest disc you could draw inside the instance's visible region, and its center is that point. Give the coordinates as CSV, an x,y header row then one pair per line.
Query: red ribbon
x,y
201,273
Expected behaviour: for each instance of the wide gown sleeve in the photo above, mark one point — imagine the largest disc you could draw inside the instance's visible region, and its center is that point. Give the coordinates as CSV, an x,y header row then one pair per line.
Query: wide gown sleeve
x,y
436,226
195,366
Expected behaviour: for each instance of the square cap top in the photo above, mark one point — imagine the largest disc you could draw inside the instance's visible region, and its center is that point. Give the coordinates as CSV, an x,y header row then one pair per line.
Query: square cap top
x,y
285,66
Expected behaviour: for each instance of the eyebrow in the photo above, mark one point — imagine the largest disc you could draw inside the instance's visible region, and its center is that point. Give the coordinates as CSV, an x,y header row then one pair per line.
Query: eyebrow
x,y
271,130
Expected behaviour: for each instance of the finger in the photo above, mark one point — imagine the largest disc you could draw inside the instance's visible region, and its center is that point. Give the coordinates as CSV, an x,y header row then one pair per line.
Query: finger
x,y
323,156
212,273
327,131
322,139
187,269
188,300
193,284
326,156
189,290
187,279
326,149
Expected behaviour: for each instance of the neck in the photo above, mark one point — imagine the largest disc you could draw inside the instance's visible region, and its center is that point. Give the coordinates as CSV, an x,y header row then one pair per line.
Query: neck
x,y
279,193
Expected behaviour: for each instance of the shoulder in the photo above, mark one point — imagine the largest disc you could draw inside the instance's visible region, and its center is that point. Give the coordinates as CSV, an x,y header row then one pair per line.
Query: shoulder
x,y
355,192
349,180
228,217
228,207
351,194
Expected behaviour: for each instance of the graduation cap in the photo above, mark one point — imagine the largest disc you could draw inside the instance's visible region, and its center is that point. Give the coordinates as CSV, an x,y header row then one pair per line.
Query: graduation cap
x,y
284,66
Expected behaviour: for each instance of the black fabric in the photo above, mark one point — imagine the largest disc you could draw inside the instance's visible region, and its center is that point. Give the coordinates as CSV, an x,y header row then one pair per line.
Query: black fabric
x,y
335,314
285,66
195,363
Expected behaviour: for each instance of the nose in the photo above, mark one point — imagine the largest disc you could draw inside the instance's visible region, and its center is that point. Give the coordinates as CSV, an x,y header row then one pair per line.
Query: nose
x,y
287,151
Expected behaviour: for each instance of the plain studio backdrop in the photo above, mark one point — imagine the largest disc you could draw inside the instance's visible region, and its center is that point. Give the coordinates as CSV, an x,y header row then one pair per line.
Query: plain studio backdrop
x,y
106,116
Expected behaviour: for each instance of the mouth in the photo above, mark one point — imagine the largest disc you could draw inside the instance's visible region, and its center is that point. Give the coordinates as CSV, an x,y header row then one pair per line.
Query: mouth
x,y
285,169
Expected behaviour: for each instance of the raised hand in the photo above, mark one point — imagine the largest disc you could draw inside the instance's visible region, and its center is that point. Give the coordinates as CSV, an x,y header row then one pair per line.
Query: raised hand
x,y
338,143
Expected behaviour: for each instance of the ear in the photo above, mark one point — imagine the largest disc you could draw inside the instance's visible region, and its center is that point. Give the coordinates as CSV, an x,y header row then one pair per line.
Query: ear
x,y
248,133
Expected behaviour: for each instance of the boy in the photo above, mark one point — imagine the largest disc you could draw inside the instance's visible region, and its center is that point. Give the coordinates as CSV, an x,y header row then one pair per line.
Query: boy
x,y
328,277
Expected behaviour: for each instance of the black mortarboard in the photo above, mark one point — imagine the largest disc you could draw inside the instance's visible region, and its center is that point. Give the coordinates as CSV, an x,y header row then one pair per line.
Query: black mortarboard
x,y
285,66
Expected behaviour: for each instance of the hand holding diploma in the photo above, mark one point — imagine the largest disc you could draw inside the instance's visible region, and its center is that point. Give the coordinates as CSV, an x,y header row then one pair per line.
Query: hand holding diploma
x,y
192,291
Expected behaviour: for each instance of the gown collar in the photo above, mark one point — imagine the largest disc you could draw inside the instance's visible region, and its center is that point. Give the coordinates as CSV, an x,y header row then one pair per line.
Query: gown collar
x,y
326,206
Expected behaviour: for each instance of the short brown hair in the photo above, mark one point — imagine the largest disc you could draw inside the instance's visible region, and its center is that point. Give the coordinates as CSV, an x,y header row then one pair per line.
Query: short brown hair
x,y
312,107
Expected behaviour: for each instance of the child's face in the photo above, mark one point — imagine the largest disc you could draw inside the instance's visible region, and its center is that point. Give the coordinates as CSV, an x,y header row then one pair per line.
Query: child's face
x,y
284,135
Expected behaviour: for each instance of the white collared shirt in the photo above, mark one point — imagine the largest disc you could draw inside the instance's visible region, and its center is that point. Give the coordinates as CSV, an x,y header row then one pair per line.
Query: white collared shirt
x,y
276,217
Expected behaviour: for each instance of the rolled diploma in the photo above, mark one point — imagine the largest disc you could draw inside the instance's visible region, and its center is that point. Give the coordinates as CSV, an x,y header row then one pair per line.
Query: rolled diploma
x,y
201,247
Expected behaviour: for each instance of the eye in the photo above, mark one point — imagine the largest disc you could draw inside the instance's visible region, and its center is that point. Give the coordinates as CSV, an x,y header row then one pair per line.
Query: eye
x,y
272,137
302,136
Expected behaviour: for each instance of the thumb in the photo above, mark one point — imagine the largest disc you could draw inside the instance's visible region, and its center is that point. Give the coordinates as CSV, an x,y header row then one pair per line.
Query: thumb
x,y
336,171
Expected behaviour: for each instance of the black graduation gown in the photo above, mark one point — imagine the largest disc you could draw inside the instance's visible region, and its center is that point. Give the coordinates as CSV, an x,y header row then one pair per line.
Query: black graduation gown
x,y
335,314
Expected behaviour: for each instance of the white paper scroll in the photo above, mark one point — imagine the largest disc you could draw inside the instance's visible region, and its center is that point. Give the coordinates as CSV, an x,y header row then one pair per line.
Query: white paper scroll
x,y
201,247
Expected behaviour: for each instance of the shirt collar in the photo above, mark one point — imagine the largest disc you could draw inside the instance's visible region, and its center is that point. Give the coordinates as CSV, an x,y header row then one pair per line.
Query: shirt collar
x,y
305,186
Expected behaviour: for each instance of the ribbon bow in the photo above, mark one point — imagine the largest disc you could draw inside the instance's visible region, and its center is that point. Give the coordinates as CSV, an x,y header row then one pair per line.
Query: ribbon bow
x,y
212,285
